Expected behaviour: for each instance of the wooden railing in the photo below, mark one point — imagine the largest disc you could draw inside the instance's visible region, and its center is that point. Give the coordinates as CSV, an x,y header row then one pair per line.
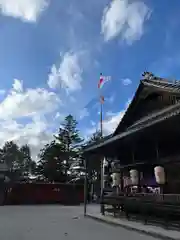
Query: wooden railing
x,y
170,198
164,208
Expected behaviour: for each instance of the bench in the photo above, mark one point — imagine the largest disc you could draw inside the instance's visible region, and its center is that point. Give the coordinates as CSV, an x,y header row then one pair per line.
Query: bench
x,y
165,209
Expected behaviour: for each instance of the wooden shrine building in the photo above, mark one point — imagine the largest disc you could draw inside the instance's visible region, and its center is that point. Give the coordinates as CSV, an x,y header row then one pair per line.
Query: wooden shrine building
x,y
149,133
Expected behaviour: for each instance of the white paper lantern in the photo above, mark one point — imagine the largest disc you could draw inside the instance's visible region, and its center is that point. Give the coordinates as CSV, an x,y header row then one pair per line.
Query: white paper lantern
x,y
159,174
134,176
115,179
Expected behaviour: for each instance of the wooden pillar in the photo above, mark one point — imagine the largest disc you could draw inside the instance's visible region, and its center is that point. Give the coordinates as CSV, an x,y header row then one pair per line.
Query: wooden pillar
x,y
102,186
132,152
121,181
102,174
157,151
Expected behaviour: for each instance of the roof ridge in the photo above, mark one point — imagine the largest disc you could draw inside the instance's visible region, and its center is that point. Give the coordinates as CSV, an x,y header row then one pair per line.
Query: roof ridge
x,y
164,85
162,80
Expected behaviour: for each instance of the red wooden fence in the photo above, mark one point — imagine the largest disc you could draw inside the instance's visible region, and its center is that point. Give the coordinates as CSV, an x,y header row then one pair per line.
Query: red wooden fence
x,y
44,193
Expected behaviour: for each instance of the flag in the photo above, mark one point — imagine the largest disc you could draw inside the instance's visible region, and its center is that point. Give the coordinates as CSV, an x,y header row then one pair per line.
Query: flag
x,y
102,80
102,99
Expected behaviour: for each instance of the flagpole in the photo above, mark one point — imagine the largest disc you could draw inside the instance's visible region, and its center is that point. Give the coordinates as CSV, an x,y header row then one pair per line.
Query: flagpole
x,y
101,98
102,158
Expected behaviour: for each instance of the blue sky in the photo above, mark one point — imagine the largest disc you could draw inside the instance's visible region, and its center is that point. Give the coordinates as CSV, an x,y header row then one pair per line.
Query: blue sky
x,y
52,52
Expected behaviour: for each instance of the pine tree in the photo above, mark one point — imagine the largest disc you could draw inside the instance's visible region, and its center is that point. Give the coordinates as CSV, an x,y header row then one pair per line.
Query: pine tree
x,y
11,155
96,137
51,163
70,140
17,158
94,164
26,162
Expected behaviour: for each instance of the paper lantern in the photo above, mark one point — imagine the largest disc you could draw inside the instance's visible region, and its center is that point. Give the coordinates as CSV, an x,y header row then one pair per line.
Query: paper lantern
x,y
115,179
134,176
159,175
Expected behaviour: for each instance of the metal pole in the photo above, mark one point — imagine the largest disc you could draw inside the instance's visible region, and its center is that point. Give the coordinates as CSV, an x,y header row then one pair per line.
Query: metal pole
x,y
101,131
85,187
102,169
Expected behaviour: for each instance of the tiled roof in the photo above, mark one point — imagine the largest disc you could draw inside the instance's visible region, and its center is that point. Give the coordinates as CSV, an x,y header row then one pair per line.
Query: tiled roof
x,y
156,82
162,83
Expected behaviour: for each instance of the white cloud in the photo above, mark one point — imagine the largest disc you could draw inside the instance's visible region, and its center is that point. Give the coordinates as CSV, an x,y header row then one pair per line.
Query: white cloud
x,y
124,19
24,116
126,81
2,91
114,119
72,99
111,124
35,134
58,115
109,114
69,73
83,113
26,10
111,99
27,103
128,102
18,85
93,123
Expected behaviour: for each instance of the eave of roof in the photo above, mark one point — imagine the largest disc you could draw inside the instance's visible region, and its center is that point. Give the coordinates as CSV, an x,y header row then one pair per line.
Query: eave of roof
x,y
105,138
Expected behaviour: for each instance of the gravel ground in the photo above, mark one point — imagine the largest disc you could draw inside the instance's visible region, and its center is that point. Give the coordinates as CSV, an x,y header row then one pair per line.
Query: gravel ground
x,y
57,222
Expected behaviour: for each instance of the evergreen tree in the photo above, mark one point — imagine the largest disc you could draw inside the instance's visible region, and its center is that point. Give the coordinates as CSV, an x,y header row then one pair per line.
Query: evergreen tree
x,y
25,163
96,137
57,156
51,163
94,164
69,138
11,155
16,158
